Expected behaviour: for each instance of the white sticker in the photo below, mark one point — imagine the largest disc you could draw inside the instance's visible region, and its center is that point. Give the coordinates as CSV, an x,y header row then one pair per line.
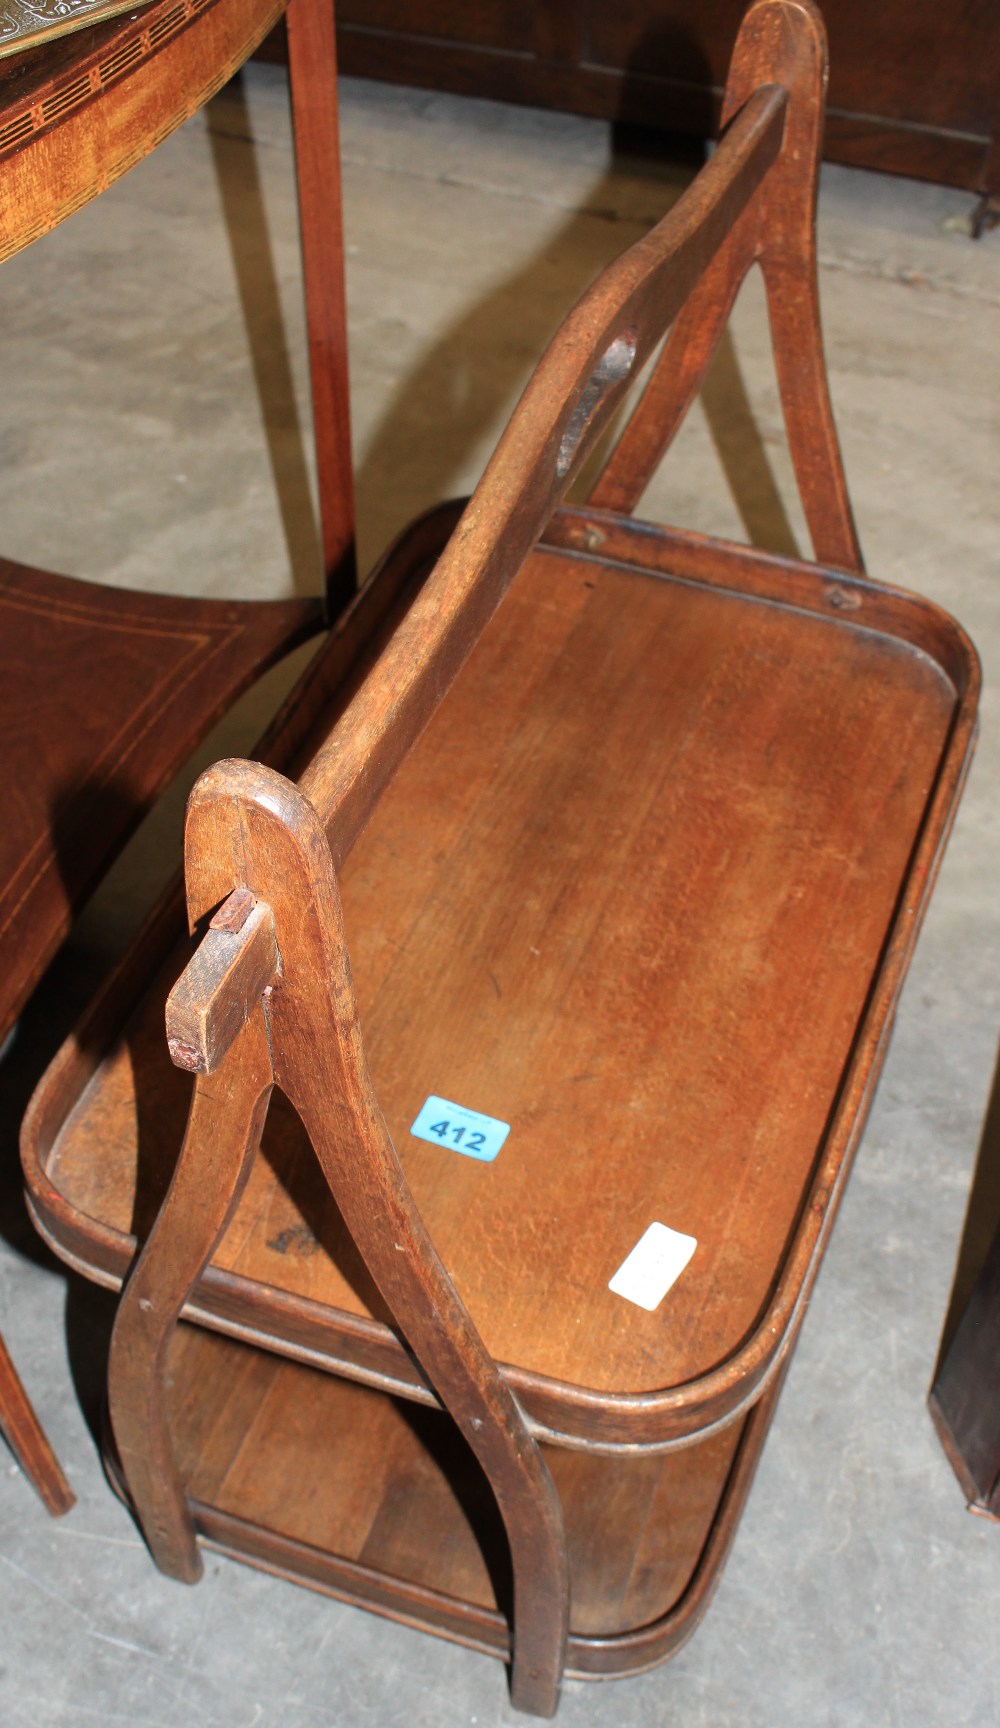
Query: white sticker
x,y
655,1263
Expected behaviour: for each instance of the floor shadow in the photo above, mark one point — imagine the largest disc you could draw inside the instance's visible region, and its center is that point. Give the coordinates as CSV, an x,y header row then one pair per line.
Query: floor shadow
x,y
446,405
90,1316
234,153
467,1482
669,78
743,455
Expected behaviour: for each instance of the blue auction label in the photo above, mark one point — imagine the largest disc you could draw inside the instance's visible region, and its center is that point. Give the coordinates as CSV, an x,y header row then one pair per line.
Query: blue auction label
x,y
468,1131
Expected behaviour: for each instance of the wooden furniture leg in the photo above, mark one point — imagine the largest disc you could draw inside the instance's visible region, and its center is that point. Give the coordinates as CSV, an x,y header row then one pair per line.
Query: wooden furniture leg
x,y
965,1397
312,70
26,1438
786,43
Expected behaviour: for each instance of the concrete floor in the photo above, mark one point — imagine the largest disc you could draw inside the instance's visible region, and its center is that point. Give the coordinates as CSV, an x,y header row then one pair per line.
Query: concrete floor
x,y
860,1592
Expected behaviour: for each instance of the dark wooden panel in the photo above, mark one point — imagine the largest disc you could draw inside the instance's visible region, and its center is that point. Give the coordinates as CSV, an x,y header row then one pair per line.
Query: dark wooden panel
x,y
506,24
392,1487
913,88
922,63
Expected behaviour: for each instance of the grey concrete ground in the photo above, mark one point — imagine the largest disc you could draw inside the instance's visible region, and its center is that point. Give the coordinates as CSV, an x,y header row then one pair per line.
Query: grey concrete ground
x,y
860,1593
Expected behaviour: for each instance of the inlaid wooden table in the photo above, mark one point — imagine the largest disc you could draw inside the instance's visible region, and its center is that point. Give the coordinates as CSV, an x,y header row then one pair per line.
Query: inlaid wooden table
x,y
104,693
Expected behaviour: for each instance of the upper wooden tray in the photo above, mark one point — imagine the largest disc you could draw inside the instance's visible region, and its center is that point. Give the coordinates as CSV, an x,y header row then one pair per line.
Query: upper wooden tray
x,y
645,889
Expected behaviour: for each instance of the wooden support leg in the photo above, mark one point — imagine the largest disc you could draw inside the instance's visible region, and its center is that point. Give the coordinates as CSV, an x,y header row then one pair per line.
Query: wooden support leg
x,y
781,42
312,66
26,1438
223,1132
784,40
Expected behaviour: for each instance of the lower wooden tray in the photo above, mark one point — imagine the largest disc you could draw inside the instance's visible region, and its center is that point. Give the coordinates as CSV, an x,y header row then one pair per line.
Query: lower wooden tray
x,y
378,1502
